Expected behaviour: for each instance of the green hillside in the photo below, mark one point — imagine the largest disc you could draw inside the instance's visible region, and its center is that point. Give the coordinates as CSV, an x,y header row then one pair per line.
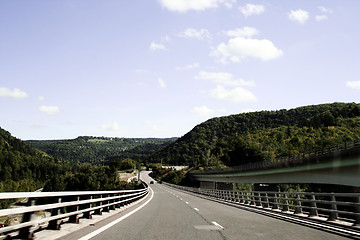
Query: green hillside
x,y
255,136
23,168
98,150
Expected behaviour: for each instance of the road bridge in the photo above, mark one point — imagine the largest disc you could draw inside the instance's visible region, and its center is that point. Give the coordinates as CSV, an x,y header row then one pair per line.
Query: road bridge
x,y
339,164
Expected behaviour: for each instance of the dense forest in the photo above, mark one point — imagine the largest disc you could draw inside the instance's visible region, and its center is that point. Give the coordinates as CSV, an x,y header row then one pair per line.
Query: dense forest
x,y
100,150
23,169
256,136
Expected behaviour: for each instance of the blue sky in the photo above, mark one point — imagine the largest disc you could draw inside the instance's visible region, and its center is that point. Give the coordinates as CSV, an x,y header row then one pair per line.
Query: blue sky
x,y
157,68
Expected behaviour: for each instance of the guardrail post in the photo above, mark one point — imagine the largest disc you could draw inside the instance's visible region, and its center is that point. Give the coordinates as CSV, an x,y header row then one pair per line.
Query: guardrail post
x,y
298,208
99,210
333,213
87,214
252,199
313,209
27,232
55,224
74,218
266,203
259,202
241,198
112,207
106,209
275,202
285,207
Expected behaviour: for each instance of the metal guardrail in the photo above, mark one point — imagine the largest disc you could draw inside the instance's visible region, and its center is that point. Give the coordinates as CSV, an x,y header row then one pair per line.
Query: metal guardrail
x,y
339,150
344,207
62,206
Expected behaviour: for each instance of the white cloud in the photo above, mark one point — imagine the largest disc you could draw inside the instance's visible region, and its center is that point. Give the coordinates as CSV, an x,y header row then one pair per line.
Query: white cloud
x,y
252,9
236,95
165,38
161,83
202,111
300,16
188,67
154,126
111,127
15,93
247,32
194,33
49,110
325,10
157,46
240,48
196,5
223,78
41,98
320,18
353,84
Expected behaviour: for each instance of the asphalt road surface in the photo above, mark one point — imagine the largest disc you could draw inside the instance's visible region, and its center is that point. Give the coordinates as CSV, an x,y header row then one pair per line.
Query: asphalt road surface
x,y
169,214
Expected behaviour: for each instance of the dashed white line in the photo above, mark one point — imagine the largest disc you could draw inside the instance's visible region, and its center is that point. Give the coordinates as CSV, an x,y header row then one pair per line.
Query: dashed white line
x,y
216,224
187,202
196,209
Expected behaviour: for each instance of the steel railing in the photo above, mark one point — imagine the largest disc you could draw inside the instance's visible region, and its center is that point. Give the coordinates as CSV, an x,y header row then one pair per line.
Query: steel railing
x,y
338,207
59,207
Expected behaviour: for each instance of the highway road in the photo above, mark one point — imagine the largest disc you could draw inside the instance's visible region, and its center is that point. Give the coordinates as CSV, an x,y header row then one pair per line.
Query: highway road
x,y
171,214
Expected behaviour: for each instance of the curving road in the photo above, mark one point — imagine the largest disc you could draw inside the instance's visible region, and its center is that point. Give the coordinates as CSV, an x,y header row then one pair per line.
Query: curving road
x,y
172,214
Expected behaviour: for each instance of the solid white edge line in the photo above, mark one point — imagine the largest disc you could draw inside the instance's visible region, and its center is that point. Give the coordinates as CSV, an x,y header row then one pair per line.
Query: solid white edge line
x,y
96,232
216,224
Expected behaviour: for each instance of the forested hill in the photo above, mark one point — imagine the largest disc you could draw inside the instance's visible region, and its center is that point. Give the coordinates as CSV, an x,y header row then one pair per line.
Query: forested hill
x,y
23,168
97,150
255,136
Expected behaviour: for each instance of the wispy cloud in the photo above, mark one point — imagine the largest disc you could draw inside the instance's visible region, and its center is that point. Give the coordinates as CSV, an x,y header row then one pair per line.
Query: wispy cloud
x,y
188,67
320,18
236,95
161,83
49,110
199,34
154,126
202,111
110,127
223,78
157,46
15,93
353,84
325,10
247,32
239,48
300,16
252,9
186,5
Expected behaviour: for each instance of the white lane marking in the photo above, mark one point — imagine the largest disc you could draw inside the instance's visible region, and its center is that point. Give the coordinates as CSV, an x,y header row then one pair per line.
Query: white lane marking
x,y
94,233
216,224
181,199
187,202
196,209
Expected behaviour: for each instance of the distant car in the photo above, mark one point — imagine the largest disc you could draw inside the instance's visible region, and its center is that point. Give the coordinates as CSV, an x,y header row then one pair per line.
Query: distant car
x,y
151,182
